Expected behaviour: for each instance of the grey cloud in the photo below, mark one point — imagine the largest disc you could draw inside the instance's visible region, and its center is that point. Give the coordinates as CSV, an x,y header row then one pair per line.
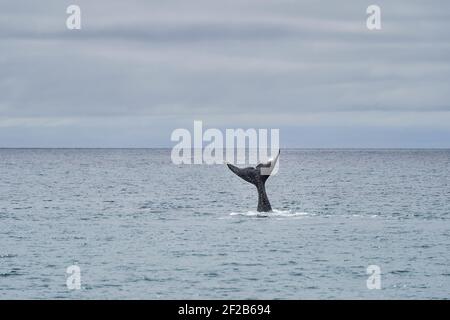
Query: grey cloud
x,y
174,61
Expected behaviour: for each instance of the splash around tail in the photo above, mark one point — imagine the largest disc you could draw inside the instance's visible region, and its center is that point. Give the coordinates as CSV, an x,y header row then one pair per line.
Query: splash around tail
x,y
273,214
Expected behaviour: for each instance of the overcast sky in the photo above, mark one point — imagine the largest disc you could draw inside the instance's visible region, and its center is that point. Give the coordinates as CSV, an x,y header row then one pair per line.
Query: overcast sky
x,y
139,69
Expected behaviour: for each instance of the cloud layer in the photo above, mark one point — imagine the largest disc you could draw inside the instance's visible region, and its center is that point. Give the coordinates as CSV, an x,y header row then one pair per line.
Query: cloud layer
x,y
139,69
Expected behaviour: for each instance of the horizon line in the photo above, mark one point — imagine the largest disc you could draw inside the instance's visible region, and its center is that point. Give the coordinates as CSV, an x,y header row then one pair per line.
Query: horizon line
x,y
285,148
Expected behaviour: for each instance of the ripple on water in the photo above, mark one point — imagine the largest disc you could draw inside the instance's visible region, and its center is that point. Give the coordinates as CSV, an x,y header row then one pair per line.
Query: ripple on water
x,y
13,272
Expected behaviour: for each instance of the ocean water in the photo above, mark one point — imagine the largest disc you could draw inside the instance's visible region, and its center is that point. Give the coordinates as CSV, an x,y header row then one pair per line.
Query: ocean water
x,y
140,227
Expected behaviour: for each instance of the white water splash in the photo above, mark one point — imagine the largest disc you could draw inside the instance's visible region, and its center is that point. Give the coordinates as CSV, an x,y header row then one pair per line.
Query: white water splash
x,y
274,213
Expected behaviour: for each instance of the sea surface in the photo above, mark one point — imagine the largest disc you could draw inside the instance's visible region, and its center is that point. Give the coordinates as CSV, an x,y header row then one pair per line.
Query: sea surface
x,y
140,227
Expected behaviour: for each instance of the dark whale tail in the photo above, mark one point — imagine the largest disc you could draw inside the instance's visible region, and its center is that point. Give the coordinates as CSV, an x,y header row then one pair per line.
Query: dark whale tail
x,y
258,177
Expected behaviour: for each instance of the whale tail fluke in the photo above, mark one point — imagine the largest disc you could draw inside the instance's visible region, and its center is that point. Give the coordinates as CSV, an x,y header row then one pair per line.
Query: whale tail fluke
x,y
248,174
258,177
